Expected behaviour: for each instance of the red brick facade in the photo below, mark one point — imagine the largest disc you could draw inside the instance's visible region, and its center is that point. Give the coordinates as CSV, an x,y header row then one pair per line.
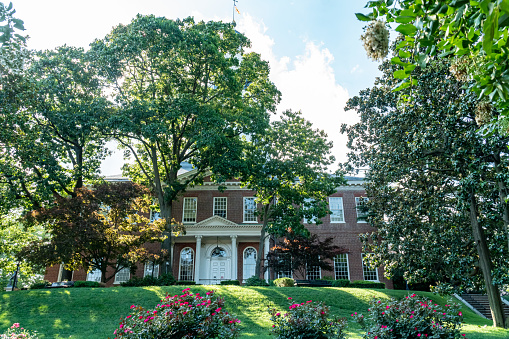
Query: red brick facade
x,y
233,235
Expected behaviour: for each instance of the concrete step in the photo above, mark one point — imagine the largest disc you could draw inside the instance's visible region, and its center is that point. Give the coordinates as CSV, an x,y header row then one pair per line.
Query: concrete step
x,y
481,303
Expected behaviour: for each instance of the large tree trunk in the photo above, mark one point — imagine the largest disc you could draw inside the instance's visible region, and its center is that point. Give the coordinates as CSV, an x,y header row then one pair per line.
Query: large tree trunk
x,y
261,245
167,243
492,291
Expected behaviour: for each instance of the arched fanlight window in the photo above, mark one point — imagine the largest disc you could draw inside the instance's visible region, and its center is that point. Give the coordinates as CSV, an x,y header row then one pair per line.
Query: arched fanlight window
x,y
249,262
186,264
218,252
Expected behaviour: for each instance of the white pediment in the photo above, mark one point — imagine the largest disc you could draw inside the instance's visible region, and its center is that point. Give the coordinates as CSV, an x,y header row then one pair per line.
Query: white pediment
x,y
214,222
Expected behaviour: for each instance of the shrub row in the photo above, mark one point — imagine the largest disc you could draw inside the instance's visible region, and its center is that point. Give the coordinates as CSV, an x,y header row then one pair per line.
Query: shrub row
x,y
162,280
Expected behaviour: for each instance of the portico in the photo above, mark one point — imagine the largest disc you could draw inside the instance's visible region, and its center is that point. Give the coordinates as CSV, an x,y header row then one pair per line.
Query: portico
x,y
217,249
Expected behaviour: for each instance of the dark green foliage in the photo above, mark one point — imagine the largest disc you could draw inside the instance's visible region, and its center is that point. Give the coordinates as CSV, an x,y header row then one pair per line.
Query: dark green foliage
x,y
307,320
166,279
411,317
80,283
255,281
40,285
341,283
284,282
185,282
366,284
163,280
230,282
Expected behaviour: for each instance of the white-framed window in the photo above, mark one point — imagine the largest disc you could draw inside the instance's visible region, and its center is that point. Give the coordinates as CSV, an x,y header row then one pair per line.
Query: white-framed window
x,y
249,262
151,269
220,206
94,275
361,216
341,270
122,276
313,273
285,273
249,210
186,267
189,210
306,220
370,274
336,207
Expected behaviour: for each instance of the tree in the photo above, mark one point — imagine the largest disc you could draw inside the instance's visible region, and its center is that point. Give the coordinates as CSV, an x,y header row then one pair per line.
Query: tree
x,y
186,92
297,253
50,141
97,229
434,183
474,32
14,238
287,168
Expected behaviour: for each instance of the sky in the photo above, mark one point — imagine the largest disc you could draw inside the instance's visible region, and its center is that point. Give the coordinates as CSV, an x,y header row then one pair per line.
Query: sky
x,y
313,46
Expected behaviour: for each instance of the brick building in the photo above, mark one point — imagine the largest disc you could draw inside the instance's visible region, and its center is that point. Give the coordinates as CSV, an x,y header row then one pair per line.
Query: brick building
x,y
222,236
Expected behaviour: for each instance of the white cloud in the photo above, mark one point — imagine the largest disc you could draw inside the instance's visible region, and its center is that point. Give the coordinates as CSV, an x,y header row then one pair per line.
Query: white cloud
x,y
356,68
307,83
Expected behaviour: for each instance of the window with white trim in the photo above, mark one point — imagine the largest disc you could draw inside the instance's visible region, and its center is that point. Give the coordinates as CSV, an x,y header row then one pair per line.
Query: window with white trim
x,y
249,262
361,215
285,273
186,267
220,205
154,215
336,207
151,270
189,213
249,210
341,266
304,207
122,276
94,275
313,273
370,274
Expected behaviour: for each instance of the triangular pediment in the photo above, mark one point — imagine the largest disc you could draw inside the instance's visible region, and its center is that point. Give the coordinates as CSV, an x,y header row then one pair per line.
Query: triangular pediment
x,y
215,221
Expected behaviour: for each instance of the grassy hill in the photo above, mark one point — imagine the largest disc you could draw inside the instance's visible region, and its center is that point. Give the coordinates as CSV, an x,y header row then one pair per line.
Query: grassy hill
x,y
85,313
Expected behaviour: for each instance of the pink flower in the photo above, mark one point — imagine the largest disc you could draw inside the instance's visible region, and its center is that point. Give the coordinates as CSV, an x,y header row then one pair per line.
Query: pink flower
x,y
460,314
278,314
289,298
411,316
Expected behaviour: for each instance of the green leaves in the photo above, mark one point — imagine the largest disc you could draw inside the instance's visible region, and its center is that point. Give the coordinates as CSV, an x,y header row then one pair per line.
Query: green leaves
x,y
406,29
363,17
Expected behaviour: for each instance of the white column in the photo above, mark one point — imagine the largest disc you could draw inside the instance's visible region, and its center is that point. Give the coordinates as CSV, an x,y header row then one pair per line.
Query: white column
x,y
197,259
234,257
266,251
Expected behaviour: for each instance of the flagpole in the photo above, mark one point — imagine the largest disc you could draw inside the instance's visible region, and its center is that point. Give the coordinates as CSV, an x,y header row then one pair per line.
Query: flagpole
x,y
233,9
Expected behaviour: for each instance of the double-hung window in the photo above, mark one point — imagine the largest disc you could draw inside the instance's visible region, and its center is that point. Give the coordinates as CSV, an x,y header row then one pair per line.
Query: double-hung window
x,y
151,269
361,213
189,214
220,205
122,276
341,266
336,207
249,210
370,274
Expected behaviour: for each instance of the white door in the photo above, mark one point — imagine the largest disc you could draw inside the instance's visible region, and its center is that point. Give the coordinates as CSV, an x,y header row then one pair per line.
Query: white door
x,y
219,270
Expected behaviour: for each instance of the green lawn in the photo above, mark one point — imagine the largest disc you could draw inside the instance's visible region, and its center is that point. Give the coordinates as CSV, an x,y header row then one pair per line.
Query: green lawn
x,y
84,313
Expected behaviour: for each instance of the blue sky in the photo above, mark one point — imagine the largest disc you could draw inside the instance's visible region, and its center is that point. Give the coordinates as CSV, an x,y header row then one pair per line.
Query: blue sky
x,y
313,46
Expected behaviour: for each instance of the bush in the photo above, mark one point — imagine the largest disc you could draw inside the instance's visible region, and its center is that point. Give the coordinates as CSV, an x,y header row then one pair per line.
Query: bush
x,y
180,316
366,284
341,283
410,317
17,332
40,285
255,281
163,280
284,282
328,278
230,282
166,279
80,283
307,321
185,282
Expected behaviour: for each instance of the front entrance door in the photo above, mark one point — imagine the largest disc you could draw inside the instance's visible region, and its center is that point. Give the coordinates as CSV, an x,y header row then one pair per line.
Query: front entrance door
x,y
219,266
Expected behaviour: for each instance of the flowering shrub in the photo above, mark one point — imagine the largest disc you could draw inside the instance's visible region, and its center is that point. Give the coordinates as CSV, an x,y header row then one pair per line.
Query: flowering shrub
x,y
284,282
17,332
306,321
180,316
410,317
